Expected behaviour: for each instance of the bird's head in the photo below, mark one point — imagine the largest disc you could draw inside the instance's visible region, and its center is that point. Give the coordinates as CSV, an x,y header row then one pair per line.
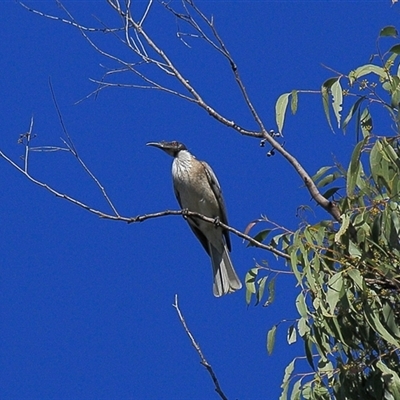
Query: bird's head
x,y
171,148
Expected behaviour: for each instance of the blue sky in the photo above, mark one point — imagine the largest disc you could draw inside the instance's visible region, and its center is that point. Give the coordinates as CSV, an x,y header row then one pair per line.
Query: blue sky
x,y
86,304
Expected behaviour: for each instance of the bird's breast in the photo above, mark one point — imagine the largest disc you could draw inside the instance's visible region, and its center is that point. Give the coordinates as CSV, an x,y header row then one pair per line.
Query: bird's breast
x,y
193,188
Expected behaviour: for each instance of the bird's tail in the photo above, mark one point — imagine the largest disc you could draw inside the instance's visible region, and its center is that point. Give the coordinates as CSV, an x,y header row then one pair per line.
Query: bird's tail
x,y
225,278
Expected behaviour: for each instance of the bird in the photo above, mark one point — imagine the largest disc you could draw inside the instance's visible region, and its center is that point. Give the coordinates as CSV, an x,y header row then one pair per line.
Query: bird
x,y
197,189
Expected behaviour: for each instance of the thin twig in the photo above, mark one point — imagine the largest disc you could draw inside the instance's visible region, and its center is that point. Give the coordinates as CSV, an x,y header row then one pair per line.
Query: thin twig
x,y
70,144
196,346
68,22
149,4
27,144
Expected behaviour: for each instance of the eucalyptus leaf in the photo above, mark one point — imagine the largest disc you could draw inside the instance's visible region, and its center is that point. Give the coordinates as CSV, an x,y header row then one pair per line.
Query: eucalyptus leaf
x,y
280,110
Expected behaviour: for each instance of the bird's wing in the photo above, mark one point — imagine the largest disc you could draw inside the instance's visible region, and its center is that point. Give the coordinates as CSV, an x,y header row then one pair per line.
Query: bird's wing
x,y
216,188
194,226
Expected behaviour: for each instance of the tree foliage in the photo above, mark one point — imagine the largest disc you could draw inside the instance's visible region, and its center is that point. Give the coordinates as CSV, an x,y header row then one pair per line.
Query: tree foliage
x,y
348,272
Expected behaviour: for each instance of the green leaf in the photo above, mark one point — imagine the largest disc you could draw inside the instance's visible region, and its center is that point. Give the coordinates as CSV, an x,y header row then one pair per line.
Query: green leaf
x,y
294,261
271,291
354,169
271,339
337,94
388,31
330,192
308,350
365,70
389,317
395,90
395,49
343,227
335,287
250,280
301,305
353,109
303,327
294,101
280,110
356,277
291,335
354,250
260,237
296,391
365,121
372,316
391,379
248,296
320,173
375,158
261,287
326,86
326,180
286,380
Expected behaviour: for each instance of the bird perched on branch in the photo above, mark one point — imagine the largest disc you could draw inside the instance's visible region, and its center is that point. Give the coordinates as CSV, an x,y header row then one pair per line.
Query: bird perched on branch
x,y
197,189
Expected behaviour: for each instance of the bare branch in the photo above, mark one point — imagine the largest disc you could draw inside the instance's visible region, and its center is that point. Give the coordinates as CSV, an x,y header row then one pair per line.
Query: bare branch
x,y
70,145
149,4
196,346
68,22
221,48
27,143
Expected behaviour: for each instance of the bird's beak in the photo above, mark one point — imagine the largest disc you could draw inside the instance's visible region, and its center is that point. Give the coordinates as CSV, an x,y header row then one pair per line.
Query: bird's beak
x,y
160,145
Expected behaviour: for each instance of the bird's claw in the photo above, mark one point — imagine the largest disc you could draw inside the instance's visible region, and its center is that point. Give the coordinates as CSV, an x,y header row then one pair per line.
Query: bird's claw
x,y
185,213
217,221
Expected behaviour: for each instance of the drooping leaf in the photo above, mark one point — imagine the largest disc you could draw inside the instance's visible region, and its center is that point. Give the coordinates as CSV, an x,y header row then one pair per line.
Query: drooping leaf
x,y
296,390
271,291
294,260
389,316
353,109
291,335
280,110
356,277
372,316
261,288
365,121
271,339
301,305
335,287
343,227
308,350
303,327
286,380
250,280
294,101
337,94
354,250
325,89
354,168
